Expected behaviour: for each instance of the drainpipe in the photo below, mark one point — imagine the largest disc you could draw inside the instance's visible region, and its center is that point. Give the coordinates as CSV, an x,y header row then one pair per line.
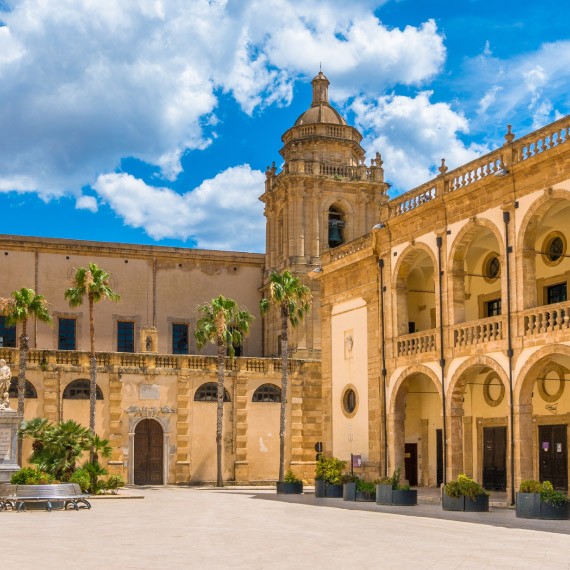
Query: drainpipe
x,y
509,249
383,351
439,242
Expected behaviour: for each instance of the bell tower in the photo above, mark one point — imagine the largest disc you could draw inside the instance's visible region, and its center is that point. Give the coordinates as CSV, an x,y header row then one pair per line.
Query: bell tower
x,y
324,196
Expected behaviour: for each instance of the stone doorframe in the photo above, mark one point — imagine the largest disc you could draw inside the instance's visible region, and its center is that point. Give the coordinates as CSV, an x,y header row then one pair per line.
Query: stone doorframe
x,y
492,422
162,416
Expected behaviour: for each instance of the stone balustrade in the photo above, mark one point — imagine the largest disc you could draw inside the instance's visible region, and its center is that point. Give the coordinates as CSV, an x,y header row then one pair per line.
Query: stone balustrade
x,y
478,332
45,358
497,162
416,343
546,319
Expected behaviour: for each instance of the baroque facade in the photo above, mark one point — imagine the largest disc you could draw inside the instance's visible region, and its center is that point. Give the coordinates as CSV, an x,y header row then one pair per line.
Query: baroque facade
x,y
439,339
446,329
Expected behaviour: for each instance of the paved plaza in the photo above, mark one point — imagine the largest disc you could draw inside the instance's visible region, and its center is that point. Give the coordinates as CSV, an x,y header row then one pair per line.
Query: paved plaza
x,y
254,528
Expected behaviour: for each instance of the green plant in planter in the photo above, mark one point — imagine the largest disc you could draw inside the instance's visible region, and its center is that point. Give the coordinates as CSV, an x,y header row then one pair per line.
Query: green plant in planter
x,y
365,486
330,470
290,477
350,478
464,486
552,497
530,486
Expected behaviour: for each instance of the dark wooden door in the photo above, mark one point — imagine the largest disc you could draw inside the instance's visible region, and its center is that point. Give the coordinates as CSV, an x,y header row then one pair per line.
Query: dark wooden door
x,y
495,458
553,454
439,456
148,453
411,463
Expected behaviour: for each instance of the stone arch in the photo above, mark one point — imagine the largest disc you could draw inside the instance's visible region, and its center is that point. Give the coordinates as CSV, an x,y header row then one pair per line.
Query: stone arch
x,y
399,422
526,241
459,442
406,374
347,210
407,305
458,381
456,262
525,429
525,381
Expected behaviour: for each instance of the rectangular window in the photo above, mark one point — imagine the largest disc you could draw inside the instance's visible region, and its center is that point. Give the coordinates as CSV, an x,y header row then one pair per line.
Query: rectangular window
x,y
66,339
556,293
179,338
7,334
493,308
411,327
125,336
238,350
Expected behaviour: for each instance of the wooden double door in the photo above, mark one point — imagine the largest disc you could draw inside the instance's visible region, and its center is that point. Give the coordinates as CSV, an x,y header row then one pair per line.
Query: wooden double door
x,y
495,458
553,455
149,453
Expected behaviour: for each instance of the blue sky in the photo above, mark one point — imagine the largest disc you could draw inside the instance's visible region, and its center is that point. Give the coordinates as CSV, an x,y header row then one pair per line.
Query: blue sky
x,y
152,121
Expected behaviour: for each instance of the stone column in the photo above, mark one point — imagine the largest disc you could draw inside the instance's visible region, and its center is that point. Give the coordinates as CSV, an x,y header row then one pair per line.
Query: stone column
x,y
396,440
241,405
524,451
455,443
115,434
183,462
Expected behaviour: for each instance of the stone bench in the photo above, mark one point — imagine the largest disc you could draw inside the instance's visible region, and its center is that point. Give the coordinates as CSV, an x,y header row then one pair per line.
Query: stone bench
x,y
68,494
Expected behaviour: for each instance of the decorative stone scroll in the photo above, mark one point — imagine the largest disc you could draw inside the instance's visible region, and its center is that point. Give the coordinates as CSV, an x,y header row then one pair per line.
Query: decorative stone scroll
x,y
149,411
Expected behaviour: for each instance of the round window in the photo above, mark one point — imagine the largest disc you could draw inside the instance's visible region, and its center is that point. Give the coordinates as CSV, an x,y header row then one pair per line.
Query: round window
x,y
554,248
349,401
492,267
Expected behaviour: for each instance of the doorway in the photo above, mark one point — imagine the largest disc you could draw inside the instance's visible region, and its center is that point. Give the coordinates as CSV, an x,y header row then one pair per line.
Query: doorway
x,y
439,456
411,463
553,455
148,453
495,458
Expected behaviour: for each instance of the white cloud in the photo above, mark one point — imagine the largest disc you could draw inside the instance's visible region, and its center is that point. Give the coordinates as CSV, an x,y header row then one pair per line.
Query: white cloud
x,y
521,90
413,135
222,213
84,84
86,203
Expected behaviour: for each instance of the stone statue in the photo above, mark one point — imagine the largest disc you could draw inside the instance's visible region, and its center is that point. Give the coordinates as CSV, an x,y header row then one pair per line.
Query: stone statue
x,y
5,378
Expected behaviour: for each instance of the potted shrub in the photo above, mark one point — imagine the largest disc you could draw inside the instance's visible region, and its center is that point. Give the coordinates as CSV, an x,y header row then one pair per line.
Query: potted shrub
x,y
365,490
554,505
528,499
349,484
328,477
464,494
291,485
389,491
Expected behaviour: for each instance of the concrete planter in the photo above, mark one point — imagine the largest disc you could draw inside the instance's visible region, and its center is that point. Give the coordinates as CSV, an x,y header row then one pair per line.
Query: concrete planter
x,y
284,488
383,494
528,505
365,496
479,505
555,513
326,490
405,498
333,491
349,492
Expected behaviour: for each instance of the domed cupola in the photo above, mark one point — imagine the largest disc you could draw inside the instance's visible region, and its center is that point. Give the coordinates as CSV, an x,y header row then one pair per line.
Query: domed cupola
x,y
321,134
320,110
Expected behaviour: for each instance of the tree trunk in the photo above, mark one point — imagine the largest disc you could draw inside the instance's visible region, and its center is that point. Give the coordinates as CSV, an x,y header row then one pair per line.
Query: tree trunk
x,y
92,375
282,416
220,411
22,383
22,369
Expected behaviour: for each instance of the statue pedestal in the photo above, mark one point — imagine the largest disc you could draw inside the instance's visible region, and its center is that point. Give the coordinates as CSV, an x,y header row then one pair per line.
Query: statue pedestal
x,y
9,423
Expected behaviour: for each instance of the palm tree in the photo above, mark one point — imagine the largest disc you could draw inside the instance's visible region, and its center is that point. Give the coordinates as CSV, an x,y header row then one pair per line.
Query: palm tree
x,y
293,299
23,305
224,324
91,282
